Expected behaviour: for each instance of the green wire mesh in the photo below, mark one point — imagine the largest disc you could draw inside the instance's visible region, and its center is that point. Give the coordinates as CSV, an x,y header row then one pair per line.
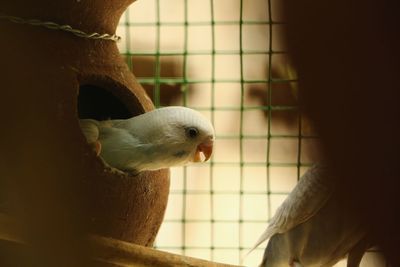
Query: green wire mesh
x,y
225,59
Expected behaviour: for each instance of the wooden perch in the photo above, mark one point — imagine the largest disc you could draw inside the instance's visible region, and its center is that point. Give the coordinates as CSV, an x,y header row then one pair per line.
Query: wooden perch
x,y
111,252
127,254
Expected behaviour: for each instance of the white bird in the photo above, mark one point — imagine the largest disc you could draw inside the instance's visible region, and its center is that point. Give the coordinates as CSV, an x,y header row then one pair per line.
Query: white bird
x,y
162,138
312,227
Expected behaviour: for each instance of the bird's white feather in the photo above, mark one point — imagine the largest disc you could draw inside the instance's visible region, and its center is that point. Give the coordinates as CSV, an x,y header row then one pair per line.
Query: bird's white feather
x,y
150,141
306,199
90,129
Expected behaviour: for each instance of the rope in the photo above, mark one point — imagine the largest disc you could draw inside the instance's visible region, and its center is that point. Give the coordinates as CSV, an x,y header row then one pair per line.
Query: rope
x,y
66,28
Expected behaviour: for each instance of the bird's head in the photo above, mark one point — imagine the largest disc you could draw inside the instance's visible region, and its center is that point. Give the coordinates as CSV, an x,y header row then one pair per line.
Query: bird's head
x,y
192,135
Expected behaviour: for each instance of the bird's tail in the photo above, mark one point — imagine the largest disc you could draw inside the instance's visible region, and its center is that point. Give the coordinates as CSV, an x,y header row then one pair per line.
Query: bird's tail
x,y
270,231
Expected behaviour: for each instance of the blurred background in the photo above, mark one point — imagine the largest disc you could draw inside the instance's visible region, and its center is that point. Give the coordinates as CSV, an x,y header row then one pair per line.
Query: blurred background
x,y
224,58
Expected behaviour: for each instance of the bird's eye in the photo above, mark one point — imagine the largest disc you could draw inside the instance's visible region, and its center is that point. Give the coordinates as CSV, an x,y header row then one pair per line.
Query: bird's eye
x,y
192,132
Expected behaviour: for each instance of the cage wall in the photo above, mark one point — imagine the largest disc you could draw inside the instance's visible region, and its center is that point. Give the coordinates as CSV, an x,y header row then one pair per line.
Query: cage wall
x,y
224,58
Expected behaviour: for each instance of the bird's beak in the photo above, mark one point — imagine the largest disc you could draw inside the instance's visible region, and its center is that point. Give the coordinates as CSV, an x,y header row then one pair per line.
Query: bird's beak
x,y
204,151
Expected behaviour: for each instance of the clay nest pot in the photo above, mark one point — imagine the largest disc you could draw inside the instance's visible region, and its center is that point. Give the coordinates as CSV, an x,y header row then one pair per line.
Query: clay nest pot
x,y
52,78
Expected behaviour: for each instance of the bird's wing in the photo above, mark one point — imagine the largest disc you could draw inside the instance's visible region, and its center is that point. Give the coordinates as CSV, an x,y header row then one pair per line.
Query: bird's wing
x,y
310,194
90,129
122,149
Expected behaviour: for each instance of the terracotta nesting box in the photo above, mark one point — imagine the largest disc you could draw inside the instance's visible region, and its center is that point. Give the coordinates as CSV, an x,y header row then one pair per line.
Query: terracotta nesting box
x,y
51,78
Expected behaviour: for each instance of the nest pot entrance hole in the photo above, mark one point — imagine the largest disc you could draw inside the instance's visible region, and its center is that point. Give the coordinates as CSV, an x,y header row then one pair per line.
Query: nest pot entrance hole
x,y
98,103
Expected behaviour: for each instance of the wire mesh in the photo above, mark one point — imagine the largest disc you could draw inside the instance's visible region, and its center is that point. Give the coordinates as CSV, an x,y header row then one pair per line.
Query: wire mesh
x,y
225,59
